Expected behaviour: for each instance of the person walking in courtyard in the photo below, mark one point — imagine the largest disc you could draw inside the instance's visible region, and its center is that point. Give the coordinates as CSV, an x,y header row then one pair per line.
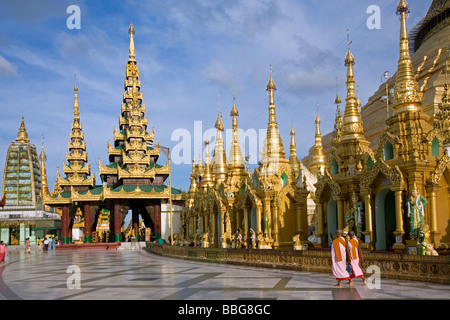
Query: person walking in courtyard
x,y
27,245
3,252
46,242
51,243
355,257
339,258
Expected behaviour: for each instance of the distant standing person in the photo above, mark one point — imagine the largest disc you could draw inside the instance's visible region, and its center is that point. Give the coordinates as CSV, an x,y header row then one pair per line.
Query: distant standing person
x,y
355,258
27,245
339,258
51,243
46,242
3,251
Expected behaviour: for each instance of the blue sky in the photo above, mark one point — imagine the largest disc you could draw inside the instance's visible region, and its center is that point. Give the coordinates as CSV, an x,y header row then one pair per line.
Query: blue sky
x,y
190,52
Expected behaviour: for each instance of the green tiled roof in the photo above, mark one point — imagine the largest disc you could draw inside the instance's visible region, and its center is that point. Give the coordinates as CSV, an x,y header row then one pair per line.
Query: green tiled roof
x,y
95,190
144,188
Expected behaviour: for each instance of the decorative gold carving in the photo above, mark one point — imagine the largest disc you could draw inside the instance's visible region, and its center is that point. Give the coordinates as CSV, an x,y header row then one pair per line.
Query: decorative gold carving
x,y
322,182
442,164
387,137
406,92
393,174
353,128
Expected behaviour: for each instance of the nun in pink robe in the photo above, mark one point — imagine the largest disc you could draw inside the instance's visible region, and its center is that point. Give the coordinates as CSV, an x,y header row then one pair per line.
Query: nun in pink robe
x,y
3,251
355,255
339,258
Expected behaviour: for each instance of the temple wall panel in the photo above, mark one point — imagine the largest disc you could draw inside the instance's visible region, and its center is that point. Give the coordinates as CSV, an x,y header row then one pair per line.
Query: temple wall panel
x,y
443,211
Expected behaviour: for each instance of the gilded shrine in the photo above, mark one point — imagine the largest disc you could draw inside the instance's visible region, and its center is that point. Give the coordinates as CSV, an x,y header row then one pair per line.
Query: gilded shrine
x,y
384,172
131,181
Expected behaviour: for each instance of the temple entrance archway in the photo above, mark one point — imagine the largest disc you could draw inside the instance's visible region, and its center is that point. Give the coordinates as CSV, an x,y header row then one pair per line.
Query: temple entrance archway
x,y
385,223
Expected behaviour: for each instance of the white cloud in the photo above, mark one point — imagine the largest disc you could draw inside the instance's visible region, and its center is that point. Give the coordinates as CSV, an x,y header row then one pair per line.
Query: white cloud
x,y
218,74
6,68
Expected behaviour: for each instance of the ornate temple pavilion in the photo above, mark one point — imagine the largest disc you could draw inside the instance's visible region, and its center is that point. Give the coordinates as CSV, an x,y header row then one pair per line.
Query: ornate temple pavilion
x,y
229,206
384,172
22,213
131,181
387,166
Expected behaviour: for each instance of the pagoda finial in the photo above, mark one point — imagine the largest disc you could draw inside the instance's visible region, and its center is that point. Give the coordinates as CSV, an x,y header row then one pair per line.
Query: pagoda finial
x,y
352,122
22,136
271,88
317,165
75,88
234,113
219,125
235,160
317,119
293,160
349,57
338,118
273,144
76,108
406,89
207,180
44,191
219,161
338,99
131,32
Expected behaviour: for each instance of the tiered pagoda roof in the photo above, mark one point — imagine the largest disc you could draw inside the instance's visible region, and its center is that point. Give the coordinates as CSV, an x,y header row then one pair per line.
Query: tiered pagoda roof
x,y
133,155
132,172
77,169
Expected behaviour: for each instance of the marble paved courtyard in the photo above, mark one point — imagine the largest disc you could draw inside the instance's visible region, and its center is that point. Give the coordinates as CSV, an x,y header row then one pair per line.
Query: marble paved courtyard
x,y
139,275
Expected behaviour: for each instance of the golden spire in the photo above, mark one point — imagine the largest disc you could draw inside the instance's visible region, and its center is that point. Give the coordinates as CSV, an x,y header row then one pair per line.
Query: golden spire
x,y
317,165
271,88
219,162
338,99
352,126
76,108
273,145
22,136
317,121
131,32
338,119
57,186
406,90
194,185
207,180
293,160
219,125
235,160
44,191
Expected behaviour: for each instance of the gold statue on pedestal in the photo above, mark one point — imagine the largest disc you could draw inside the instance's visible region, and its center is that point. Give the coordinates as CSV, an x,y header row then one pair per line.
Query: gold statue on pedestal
x,y
416,212
205,240
298,244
